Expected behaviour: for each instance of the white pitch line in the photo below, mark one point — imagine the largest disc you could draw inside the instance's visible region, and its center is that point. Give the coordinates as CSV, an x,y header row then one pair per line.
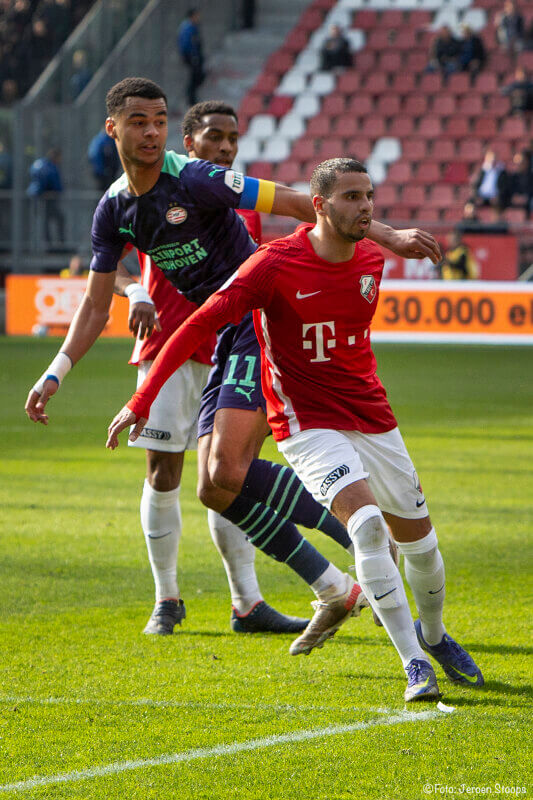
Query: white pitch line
x,y
213,752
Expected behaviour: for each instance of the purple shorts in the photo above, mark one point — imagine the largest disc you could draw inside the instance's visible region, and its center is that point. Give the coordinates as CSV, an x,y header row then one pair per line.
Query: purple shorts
x,y
235,378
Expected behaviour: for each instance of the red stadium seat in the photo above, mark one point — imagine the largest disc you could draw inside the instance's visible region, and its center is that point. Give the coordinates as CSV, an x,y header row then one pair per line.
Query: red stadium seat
x,y
413,196
403,126
280,105
360,105
470,150
391,61
406,39
296,41
459,83
471,105
400,173
319,126
497,105
303,149
457,172
444,104
428,214
525,60
346,126
513,128
443,149
375,83
457,127
428,173
430,83
487,83
365,60
359,147
378,39
373,127
333,147
415,104
441,196
414,149
266,83
430,126
349,82
261,169
416,61
391,19
289,172
310,20
334,105
279,62
388,104
386,196
252,103
366,20
485,128
403,83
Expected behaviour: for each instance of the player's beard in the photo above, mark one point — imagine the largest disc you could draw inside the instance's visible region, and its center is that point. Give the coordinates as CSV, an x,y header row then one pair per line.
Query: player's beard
x,y
346,227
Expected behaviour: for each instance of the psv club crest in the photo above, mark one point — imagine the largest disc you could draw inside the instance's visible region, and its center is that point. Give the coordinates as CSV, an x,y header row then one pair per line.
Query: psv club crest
x,y
368,287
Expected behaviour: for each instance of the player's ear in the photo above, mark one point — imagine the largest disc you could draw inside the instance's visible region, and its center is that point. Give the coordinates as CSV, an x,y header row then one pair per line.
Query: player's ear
x,y
110,127
318,204
187,143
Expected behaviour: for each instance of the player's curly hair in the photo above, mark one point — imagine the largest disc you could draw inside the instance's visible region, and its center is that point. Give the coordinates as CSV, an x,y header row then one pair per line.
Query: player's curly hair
x,y
131,87
193,119
325,174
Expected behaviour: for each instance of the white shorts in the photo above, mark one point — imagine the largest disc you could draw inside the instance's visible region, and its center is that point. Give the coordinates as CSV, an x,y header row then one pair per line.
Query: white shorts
x,y
172,425
327,461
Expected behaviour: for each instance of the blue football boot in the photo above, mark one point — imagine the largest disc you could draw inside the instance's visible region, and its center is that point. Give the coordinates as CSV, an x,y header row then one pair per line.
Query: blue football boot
x,y
458,665
421,681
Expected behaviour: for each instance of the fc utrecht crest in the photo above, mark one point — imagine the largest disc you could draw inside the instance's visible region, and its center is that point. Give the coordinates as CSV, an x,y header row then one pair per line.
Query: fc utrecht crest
x,y
368,287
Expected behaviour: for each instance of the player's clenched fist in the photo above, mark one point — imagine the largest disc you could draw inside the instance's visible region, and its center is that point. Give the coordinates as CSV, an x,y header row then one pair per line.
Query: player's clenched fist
x,y
124,419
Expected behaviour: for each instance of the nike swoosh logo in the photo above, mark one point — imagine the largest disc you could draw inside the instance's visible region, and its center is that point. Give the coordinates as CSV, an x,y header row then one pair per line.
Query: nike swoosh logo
x,y
381,596
301,296
420,502
438,590
469,678
151,535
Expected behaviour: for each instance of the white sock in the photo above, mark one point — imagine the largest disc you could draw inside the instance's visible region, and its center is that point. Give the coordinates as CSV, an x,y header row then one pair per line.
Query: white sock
x,y
381,580
161,523
238,557
330,584
424,571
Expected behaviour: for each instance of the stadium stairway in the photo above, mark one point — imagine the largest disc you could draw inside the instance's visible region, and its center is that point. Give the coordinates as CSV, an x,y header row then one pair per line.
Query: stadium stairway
x,y
234,67
421,138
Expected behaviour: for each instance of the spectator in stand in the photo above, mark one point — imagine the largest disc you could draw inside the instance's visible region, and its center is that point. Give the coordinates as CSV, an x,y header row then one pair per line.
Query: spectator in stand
x,y
458,263
9,92
521,181
473,55
37,45
81,74
45,188
520,92
191,50
57,15
490,184
335,52
76,268
510,27
248,9
445,53
104,160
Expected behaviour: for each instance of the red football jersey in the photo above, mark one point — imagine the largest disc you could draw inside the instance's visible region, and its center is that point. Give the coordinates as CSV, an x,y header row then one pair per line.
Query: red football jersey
x,y
313,318
173,308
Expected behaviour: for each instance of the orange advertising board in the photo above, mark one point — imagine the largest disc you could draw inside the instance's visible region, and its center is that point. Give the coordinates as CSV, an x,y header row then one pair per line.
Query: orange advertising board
x,y
41,304
455,311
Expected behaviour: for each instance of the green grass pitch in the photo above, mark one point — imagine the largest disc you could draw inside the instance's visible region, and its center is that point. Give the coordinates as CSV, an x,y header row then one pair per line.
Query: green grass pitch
x,y
90,708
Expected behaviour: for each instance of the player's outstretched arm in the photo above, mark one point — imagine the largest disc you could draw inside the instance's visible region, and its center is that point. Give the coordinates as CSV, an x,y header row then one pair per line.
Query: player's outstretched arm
x,y
291,203
88,323
142,317
409,242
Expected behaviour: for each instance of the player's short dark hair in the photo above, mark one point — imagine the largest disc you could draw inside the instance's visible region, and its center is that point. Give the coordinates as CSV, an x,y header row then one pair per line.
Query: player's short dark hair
x,y
132,87
324,175
194,118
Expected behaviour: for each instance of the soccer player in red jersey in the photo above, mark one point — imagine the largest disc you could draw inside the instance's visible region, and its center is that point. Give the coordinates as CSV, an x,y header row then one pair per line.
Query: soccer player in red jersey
x,y
314,294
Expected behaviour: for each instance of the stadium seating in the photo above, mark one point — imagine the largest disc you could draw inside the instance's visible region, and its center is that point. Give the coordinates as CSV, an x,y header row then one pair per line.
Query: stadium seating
x,y
421,136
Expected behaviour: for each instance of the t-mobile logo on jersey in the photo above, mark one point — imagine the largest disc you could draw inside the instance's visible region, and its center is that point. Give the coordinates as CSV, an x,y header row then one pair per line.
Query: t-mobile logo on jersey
x,y
320,328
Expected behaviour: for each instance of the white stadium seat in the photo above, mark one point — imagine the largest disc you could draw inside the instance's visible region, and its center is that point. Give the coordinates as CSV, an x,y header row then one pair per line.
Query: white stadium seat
x,y
262,126
277,150
291,126
292,84
387,150
322,83
306,105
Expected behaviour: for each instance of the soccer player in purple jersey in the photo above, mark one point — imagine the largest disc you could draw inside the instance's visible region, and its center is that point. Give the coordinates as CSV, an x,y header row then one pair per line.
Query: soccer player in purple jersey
x,y
181,213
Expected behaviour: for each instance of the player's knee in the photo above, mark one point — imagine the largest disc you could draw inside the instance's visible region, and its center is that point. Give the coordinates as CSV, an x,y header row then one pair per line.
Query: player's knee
x,y
163,471
226,473
367,529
